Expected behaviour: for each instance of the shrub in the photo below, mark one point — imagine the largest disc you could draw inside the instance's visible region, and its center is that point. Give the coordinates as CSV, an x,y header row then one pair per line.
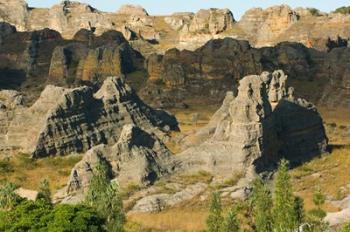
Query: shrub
x,y
314,11
215,218
74,218
5,167
343,10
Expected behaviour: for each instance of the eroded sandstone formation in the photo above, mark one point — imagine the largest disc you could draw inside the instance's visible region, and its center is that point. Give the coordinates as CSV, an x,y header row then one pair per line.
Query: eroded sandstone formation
x,y
63,121
137,158
262,27
252,131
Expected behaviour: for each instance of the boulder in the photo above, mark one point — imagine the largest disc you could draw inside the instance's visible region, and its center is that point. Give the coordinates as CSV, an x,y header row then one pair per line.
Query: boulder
x,y
129,9
158,202
27,194
212,21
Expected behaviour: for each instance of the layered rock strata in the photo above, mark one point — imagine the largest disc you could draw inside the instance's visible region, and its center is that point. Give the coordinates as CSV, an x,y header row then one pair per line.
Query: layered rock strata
x,y
252,131
63,121
137,158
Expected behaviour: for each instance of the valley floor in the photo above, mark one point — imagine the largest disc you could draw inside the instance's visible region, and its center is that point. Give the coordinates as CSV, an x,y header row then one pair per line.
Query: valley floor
x,y
329,172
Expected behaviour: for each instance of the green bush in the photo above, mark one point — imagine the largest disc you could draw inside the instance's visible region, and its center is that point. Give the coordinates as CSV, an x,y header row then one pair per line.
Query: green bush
x,y
343,10
5,167
74,219
314,11
38,216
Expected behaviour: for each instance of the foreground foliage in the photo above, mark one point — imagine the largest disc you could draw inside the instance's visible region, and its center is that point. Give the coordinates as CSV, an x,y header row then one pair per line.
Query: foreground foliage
x,y
40,216
102,211
265,211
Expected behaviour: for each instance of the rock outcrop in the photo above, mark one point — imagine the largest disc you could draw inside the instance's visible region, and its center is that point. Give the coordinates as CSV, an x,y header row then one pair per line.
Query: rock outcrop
x,y
262,27
63,121
210,71
159,202
264,123
132,10
43,57
137,158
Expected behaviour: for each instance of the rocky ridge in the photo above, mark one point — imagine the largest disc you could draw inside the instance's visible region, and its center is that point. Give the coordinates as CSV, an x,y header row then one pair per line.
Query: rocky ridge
x,y
64,121
247,136
210,71
262,27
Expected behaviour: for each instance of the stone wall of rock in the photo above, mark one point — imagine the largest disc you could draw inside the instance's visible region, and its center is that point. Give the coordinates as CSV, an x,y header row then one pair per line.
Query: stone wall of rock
x,y
263,124
63,121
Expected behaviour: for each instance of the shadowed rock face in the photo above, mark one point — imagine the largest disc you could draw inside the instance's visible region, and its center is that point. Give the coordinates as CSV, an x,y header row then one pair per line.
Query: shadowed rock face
x,y
210,71
253,131
43,57
63,121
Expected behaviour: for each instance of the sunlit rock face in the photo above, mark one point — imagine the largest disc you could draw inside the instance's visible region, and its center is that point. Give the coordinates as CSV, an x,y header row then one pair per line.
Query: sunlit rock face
x,y
254,130
63,121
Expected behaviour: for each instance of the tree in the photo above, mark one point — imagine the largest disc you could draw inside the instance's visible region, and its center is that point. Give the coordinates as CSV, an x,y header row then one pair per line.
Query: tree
x,y
283,201
104,197
8,197
346,228
44,191
315,217
38,216
215,218
343,10
74,218
27,216
230,223
261,202
318,198
299,211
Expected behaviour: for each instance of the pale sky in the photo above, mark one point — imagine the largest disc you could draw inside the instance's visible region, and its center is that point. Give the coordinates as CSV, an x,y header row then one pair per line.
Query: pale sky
x,y
163,7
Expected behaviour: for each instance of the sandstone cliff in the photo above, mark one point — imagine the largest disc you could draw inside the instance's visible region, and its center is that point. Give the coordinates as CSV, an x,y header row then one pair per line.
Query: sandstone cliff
x,y
210,71
262,27
43,57
63,121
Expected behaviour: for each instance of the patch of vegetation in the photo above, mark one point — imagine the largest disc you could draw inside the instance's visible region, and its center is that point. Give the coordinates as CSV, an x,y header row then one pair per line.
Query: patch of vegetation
x,y
159,82
278,211
231,181
314,11
27,172
27,162
102,210
130,189
5,167
201,176
343,10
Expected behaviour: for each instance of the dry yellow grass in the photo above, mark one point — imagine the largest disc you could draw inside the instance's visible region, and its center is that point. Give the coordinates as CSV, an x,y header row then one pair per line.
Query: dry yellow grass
x,y
329,173
177,219
28,173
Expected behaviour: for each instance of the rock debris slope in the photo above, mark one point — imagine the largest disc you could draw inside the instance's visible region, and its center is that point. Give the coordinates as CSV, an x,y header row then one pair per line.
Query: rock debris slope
x,y
63,121
252,131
